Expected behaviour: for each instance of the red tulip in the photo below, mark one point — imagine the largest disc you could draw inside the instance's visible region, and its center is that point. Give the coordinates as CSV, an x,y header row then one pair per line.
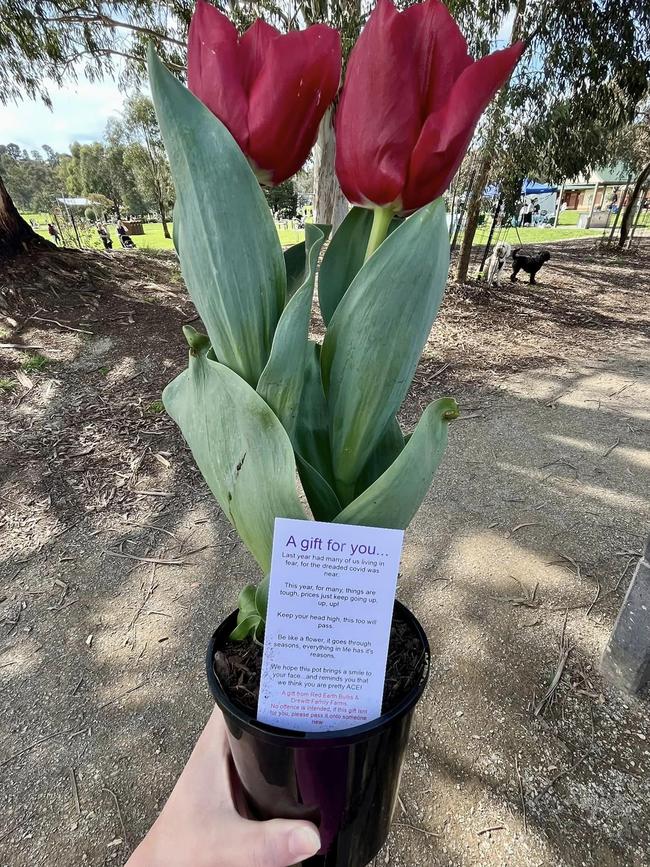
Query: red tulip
x,y
271,90
411,101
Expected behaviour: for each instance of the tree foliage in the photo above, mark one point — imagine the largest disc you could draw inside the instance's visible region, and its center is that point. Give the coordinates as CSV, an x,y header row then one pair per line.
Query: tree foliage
x,y
145,156
586,70
283,200
33,179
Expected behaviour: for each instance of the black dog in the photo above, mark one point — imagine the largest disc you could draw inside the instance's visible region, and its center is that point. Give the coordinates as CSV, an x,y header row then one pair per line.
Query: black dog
x,y
528,263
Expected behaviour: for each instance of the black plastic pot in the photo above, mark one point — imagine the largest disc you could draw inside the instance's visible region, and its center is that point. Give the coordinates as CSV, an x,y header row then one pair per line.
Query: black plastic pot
x,y
345,782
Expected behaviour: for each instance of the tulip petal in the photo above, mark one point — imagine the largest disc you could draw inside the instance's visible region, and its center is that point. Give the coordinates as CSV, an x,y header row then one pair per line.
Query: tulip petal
x,y
448,131
252,47
214,69
440,51
378,119
296,84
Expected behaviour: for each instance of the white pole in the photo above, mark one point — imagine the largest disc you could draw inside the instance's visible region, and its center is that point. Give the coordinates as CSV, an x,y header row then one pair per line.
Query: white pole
x,y
593,205
558,206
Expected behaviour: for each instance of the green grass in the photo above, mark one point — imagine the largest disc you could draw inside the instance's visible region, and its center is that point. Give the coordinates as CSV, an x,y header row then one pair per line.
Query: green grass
x,y
153,238
41,217
570,218
34,362
7,385
523,236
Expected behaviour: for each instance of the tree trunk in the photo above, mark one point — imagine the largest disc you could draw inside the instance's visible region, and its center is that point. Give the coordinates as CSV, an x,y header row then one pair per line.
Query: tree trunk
x,y
483,172
16,235
473,213
629,210
163,220
330,205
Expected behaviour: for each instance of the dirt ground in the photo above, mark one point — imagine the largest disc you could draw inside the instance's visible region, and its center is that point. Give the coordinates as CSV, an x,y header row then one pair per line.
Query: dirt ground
x,y
116,564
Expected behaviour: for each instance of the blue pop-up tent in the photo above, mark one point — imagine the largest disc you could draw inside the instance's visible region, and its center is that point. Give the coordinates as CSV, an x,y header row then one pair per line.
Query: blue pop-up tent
x,y
528,188
536,188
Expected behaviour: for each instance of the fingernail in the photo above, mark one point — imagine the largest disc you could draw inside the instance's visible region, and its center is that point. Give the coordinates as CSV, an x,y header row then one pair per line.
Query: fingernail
x,y
303,843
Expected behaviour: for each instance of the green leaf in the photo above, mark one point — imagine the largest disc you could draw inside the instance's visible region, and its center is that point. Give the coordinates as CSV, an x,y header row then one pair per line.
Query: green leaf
x,y
291,385
295,258
294,261
247,627
229,250
382,456
312,430
396,496
246,602
320,495
311,442
376,337
344,257
282,379
261,600
240,447
195,340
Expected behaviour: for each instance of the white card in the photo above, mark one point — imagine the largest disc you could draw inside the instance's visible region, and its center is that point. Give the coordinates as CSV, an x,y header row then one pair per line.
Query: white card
x,y
331,595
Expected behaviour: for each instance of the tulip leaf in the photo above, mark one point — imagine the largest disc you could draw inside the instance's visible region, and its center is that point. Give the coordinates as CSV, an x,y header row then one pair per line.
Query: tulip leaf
x,y
396,496
344,257
281,381
295,258
294,261
245,627
290,384
376,337
262,598
312,442
246,602
228,246
240,447
382,456
321,497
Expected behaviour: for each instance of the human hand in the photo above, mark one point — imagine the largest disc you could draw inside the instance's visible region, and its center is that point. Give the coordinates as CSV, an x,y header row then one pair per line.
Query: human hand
x,y
200,826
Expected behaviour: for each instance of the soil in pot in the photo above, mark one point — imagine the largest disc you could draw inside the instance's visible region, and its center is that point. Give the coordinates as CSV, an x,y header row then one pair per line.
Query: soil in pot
x,y
238,665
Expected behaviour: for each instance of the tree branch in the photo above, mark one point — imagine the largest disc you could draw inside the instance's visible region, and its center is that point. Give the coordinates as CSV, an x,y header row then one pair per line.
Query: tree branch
x,y
105,52
105,21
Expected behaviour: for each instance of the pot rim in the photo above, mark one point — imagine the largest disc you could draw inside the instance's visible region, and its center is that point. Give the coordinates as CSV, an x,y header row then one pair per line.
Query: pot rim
x,y
339,737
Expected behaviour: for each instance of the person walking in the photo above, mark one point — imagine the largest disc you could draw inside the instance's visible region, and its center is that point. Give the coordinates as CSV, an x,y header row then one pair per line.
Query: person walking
x,y
54,233
102,231
123,232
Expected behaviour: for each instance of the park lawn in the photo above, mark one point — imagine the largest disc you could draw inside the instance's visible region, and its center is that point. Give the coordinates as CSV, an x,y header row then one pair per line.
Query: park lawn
x,y
570,218
521,237
154,239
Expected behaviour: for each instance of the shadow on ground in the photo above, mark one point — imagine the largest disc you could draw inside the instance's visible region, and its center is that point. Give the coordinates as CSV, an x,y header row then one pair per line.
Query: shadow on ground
x,y
116,565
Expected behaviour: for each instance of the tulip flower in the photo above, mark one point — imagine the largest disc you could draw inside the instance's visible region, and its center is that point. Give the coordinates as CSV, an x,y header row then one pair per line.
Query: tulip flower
x,y
410,103
269,89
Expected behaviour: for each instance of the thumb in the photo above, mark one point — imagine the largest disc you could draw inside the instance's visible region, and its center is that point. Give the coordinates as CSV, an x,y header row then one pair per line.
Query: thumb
x,y
281,842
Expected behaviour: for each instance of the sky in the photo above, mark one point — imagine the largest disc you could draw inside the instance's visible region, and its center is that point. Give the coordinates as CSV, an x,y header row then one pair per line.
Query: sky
x,y
79,113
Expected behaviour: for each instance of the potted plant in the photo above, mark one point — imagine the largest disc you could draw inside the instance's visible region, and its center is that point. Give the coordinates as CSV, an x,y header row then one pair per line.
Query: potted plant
x,y
260,402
